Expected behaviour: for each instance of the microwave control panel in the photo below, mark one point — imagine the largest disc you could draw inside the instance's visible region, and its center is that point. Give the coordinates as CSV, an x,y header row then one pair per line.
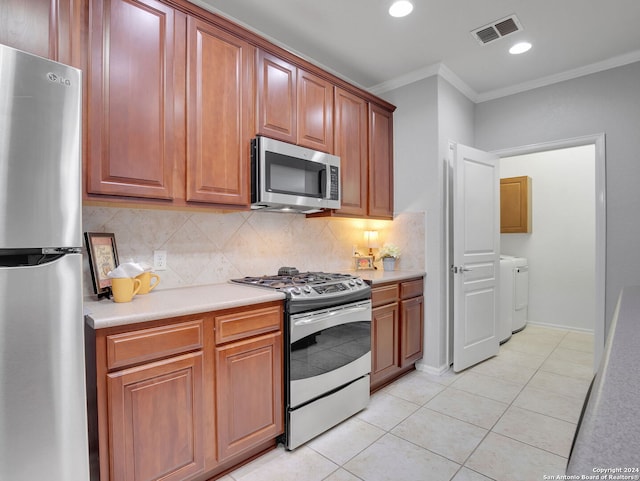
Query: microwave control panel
x,y
335,183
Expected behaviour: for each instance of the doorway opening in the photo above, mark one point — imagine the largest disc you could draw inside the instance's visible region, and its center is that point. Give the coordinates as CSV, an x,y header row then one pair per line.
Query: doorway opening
x,y
593,274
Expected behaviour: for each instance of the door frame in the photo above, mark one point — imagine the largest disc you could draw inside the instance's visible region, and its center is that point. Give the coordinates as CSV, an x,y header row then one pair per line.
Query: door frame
x,y
598,140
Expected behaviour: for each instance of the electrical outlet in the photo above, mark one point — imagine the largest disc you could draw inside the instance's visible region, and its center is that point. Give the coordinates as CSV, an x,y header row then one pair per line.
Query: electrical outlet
x,y
160,260
354,251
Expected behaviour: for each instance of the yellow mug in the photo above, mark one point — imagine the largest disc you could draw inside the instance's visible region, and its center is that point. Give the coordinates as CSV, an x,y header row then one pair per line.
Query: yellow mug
x,y
124,288
145,279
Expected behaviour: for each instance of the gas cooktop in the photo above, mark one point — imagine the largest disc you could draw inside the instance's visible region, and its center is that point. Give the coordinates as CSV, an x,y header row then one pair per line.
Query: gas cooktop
x,y
306,284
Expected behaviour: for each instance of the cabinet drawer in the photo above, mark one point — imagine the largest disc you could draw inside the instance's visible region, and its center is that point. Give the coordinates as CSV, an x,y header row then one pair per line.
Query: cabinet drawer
x,y
153,343
411,288
384,295
241,324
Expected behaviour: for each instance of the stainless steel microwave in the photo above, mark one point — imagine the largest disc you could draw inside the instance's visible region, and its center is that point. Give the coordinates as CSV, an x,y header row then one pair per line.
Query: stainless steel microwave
x,y
290,178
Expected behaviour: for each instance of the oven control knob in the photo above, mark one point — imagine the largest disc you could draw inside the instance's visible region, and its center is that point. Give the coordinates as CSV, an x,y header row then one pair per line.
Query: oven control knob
x,y
359,281
352,283
295,290
307,289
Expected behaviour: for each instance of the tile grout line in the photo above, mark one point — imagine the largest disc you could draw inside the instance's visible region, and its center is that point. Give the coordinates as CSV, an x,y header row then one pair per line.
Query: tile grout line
x,y
538,369
464,464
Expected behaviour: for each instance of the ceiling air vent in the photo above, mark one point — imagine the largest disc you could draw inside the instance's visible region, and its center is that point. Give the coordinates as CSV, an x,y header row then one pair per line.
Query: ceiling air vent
x,y
498,29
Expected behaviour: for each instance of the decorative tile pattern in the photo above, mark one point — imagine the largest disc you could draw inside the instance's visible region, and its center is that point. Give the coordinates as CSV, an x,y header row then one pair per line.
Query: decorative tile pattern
x,y
208,248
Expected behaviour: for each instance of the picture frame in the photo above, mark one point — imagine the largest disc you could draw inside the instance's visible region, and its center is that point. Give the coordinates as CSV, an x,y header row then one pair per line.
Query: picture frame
x,y
364,263
103,258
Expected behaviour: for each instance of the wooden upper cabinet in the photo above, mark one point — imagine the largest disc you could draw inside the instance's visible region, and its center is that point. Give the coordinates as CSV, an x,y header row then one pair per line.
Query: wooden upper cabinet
x,y
351,146
48,28
380,162
515,205
277,98
220,115
294,105
131,98
315,112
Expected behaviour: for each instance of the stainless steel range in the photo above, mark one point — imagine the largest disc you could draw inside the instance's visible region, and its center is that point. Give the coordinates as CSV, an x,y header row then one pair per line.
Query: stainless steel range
x,y
328,355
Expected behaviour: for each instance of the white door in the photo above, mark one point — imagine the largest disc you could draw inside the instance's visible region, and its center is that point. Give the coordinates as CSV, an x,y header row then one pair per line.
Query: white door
x,y
475,256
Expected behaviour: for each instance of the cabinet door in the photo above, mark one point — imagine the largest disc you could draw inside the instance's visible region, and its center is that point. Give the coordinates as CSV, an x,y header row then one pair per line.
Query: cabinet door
x,y
41,27
249,393
515,205
411,330
384,343
131,98
220,115
380,162
315,112
351,146
277,98
156,420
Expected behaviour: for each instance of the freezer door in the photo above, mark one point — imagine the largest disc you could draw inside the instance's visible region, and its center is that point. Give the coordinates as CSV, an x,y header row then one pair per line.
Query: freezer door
x,y
43,416
40,183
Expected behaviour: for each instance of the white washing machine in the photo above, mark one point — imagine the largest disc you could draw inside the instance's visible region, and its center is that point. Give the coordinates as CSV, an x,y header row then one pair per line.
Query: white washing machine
x,y
505,313
520,293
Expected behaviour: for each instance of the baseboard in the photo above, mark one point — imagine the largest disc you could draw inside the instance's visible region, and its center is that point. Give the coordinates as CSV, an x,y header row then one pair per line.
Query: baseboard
x,y
558,326
435,371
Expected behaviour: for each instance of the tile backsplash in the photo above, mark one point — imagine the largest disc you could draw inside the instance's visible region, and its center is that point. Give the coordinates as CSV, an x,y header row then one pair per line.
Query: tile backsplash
x,y
209,248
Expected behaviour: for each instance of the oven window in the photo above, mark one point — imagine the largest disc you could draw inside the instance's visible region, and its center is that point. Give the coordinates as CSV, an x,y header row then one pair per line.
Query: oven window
x,y
329,349
289,175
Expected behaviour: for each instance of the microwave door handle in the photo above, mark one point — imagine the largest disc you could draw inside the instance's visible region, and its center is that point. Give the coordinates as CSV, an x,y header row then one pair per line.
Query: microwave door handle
x,y
324,188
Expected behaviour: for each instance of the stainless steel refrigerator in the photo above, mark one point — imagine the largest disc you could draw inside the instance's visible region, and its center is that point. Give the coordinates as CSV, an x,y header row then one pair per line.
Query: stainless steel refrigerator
x,y
43,416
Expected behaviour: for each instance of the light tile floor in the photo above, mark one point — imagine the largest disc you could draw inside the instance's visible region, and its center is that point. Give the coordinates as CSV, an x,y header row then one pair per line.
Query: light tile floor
x,y
510,418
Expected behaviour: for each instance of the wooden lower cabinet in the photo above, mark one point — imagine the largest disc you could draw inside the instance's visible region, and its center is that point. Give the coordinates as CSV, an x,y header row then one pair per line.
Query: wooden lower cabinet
x,y
249,392
384,343
412,316
186,398
397,330
156,420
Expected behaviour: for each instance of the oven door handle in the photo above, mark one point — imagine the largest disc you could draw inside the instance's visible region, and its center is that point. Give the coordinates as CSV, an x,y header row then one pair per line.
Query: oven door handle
x,y
330,315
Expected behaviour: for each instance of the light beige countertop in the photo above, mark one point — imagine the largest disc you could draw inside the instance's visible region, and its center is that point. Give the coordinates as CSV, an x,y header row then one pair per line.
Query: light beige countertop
x,y
380,276
165,303
162,304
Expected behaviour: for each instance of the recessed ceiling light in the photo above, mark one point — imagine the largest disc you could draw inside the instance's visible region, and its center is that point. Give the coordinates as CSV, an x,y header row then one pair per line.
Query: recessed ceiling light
x,y
521,47
400,8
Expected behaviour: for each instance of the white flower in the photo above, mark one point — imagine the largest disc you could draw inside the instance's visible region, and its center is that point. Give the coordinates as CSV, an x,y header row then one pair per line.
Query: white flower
x,y
389,250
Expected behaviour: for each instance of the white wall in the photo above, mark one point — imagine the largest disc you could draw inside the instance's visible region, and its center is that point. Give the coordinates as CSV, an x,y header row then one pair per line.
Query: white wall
x,y
606,102
429,113
561,248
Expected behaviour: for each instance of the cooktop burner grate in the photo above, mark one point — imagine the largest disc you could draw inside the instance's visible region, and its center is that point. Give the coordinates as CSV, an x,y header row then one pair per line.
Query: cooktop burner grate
x,y
298,279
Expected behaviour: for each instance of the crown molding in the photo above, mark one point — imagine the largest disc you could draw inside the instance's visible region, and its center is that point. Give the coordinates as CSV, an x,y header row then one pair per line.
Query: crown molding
x,y
406,79
608,64
446,73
